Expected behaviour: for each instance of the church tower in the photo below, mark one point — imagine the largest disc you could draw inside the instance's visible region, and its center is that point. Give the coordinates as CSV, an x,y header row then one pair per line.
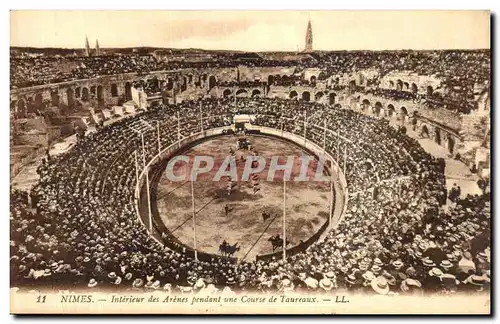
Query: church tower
x,y
87,47
97,49
309,38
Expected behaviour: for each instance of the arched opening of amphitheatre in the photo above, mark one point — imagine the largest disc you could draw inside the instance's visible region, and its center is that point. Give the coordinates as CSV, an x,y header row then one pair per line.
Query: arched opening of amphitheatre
x,y
128,91
399,85
414,88
390,110
212,82
365,104
256,93
331,98
70,96
226,93
242,93
306,96
425,132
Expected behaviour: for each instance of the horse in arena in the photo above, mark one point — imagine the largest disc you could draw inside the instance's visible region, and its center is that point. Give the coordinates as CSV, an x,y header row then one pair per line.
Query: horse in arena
x,y
277,242
228,250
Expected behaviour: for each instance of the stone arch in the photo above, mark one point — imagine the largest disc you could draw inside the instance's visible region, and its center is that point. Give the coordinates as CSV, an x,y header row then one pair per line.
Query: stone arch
x,y
429,90
38,101
390,110
404,111
70,97
21,107
414,88
391,84
212,82
128,91
227,93
30,106
406,86
399,85
100,95
13,106
256,93
54,97
352,86
155,82
184,83
93,92
114,90
425,131
331,98
318,96
293,94
14,111
365,104
270,79
161,84
204,77
78,92
451,144
190,78
312,79
170,84
241,93
86,95
306,96
377,108
437,136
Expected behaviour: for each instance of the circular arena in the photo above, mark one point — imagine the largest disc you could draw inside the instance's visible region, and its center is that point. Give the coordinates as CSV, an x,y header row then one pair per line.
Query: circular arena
x,y
243,222
103,215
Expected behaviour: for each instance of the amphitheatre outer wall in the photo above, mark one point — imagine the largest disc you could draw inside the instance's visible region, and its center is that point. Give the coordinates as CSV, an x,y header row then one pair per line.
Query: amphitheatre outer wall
x,y
86,96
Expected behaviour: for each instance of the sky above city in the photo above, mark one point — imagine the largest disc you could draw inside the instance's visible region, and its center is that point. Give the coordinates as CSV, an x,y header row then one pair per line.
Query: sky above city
x,y
253,30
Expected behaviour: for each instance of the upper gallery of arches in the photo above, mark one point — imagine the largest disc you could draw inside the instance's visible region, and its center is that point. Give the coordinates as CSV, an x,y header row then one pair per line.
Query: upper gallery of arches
x,y
411,77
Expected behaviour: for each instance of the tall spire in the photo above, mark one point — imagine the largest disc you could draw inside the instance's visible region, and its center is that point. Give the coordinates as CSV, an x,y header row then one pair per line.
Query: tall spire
x,y
309,38
87,47
97,49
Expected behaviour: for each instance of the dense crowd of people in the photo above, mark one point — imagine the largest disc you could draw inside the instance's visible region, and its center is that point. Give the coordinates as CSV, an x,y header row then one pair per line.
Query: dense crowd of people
x,y
79,226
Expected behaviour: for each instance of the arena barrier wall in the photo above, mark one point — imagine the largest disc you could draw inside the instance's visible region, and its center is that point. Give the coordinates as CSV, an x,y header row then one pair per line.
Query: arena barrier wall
x,y
168,240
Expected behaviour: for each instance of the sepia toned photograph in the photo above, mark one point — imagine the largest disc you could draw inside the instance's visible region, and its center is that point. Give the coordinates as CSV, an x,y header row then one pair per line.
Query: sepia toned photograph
x,y
250,162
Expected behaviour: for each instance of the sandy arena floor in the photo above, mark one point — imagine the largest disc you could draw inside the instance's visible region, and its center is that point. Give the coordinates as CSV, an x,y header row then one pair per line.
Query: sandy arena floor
x,y
307,203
